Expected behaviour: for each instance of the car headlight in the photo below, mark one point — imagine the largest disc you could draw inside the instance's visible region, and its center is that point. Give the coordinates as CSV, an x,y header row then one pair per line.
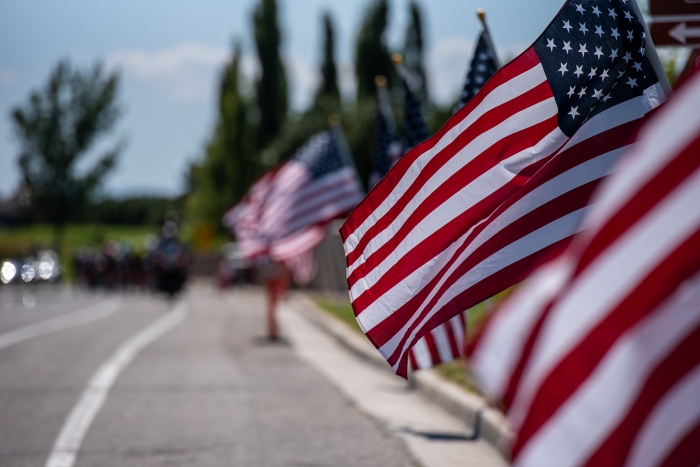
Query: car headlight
x,y
8,271
27,273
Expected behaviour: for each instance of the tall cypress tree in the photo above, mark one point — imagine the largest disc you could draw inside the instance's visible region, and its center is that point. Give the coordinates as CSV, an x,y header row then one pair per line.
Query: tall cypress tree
x,y
413,50
271,88
372,57
329,71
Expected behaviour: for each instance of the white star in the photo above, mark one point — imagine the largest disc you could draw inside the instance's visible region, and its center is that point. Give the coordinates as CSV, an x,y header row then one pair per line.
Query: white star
x,y
483,56
607,96
598,52
583,28
592,73
614,33
604,75
566,26
563,69
612,13
579,71
627,57
572,91
637,66
479,79
582,93
628,16
620,75
582,50
580,9
598,94
596,11
550,44
613,54
481,67
642,51
567,47
574,112
631,82
630,35
599,31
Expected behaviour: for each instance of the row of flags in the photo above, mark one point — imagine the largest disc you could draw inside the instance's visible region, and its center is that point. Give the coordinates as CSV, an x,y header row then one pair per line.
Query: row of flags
x,y
541,174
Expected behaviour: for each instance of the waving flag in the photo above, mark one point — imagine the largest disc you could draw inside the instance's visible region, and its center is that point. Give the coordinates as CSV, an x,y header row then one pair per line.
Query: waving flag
x,y
285,212
598,356
484,64
469,212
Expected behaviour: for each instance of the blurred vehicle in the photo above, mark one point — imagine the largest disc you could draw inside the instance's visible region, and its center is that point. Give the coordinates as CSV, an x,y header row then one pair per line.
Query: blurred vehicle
x,y
45,266
233,267
169,261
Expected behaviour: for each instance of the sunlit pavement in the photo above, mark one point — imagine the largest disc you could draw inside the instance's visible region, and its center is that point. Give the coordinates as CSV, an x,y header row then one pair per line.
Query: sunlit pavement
x,y
208,390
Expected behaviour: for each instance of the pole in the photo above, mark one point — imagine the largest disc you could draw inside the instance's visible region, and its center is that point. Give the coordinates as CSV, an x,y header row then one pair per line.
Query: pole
x,y
481,14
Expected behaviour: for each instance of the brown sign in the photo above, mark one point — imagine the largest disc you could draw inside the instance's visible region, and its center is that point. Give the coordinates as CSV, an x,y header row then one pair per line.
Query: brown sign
x,y
674,7
676,33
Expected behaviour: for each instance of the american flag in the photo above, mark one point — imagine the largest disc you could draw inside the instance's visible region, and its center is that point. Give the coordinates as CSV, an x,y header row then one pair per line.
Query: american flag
x,y
285,212
443,344
597,357
484,64
415,131
469,212
387,148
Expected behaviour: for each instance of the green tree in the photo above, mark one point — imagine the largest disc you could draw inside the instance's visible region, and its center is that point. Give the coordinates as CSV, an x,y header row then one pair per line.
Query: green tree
x,y
329,70
271,88
372,57
56,128
413,51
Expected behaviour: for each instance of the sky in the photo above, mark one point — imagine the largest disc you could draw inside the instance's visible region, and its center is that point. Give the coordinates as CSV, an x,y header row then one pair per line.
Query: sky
x,y
170,53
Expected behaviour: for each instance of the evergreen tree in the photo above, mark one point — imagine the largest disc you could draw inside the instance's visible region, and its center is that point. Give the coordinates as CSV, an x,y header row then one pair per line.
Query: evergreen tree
x,y
413,51
271,89
372,57
329,71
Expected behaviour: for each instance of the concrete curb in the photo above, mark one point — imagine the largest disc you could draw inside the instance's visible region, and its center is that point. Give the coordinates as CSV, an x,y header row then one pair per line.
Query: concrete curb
x,y
487,423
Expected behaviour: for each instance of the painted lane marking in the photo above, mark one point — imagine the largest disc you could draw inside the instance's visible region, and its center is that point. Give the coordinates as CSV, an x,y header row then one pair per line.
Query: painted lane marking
x,y
59,323
67,445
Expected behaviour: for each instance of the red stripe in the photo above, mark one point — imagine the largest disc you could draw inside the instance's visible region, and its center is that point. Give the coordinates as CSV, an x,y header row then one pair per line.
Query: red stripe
x,y
679,362
379,193
434,355
574,368
489,158
452,339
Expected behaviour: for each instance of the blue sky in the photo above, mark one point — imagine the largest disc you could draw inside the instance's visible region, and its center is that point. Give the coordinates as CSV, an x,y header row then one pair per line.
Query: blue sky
x,y
170,53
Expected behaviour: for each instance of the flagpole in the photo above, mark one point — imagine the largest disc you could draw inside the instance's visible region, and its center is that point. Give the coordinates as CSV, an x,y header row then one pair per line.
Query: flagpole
x,y
481,14
651,53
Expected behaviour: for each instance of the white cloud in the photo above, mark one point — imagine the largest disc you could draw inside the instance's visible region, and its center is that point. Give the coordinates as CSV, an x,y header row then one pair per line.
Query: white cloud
x,y
185,72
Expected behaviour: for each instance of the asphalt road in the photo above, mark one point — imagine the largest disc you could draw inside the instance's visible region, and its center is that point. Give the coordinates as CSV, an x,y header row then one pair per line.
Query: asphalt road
x,y
202,388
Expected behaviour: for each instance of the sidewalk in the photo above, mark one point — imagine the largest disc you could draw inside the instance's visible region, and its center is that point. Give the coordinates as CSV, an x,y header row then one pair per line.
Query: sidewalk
x,y
433,437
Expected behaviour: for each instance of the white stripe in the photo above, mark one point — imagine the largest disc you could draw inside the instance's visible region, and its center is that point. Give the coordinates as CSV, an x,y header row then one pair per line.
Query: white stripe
x,y
624,264
59,323
535,241
472,193
458,331
580,425
67,445
502,94
421,354
678,413
495,358
442,343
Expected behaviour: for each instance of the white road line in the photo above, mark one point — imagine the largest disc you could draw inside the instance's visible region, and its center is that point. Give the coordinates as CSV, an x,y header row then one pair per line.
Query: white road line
x,y
67,445
59,323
